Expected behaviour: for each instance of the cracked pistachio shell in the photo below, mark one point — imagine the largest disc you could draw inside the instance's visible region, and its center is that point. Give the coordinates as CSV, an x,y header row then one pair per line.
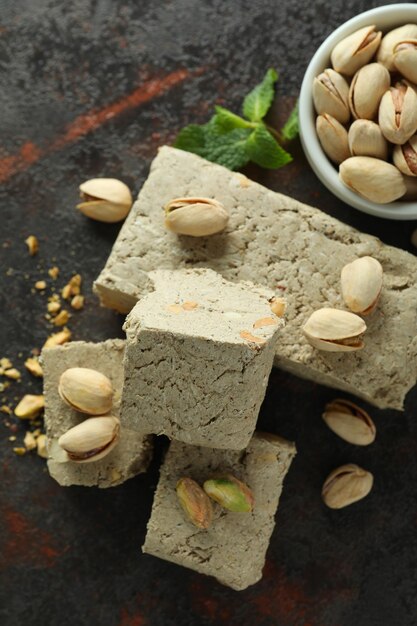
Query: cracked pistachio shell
x,y
345,485
86,390
92,439
330,95
373,179
405,59
333,330
195,502
350,422
385,54
105,199
231,493
405,157
355,50
333,138
197,217
361,283
365,138
398,113
366,90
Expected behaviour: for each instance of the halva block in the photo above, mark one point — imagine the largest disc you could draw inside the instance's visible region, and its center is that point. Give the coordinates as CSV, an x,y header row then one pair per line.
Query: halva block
x,y
130,456
290,247
199,351
233,548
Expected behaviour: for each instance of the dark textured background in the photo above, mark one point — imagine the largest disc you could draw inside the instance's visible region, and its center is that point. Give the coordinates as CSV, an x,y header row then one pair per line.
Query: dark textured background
x,y
91,88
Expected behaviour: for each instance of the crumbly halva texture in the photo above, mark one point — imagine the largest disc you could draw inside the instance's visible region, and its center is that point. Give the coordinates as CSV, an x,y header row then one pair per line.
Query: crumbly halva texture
x,y
199,352
233,548
131,455
292,248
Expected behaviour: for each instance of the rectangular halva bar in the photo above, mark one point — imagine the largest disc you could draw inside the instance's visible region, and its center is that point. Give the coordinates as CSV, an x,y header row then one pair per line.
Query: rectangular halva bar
x,y
287,246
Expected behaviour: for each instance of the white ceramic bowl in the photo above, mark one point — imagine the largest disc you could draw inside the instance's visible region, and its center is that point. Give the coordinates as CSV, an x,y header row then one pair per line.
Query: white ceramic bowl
x,y
386,18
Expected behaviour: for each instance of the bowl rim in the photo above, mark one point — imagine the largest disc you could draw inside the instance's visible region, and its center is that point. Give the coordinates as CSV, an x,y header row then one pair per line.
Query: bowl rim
x,y
316,157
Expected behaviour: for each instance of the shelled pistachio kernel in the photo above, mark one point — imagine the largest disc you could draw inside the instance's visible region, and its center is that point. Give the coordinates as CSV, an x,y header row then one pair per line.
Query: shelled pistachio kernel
x,y
32,244
230,493
92,439
57,339
195,502
333,330
350,422
30,406
345,485
196,217
105,199
361,282
86,390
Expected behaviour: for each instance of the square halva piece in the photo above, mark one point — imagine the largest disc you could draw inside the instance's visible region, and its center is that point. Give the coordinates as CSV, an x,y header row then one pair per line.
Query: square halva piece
x,y
130,456
275,241
199,351
234,546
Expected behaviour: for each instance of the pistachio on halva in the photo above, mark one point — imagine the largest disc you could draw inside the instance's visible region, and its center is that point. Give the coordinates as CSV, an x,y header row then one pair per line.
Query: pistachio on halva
x,y
405,157
330,95
365,138
333,138
92,439
385,54
345,485
372,178
355,50
230,492
105,199
397,115
195,502
197,217
350,422
361,282
333,330
366,90
86,390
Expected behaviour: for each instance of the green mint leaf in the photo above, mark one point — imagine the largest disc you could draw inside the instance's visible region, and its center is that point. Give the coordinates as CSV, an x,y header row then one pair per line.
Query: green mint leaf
x,y
225,120
290,129
192,138
257,102
264,150
228,149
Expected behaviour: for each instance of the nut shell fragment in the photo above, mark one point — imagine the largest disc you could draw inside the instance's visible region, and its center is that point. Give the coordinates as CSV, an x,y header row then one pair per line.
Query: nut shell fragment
x,y
333,330
86,390
92,439
361,282
350,422
345,485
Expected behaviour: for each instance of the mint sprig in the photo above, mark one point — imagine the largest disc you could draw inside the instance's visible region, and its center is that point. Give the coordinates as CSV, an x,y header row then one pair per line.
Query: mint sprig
x,y
233,141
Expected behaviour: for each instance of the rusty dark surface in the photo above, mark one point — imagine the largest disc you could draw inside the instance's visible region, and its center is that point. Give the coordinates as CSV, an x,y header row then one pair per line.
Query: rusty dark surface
x,y
91,88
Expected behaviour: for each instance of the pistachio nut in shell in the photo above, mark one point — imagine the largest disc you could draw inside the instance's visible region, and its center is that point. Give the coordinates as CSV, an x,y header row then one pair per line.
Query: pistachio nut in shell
x,y
405,59
397,115
330,95
365,138
231,493
345,485
333,330
86,390
405,157
196,217
105,199
366,90
355,50
385,54
195,502
361,282
333,138
92,439
350,422
372,178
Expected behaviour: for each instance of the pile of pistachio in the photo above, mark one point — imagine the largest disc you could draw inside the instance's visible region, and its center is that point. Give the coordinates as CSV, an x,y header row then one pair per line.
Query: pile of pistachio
x,y
89,392
227,490
367,112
